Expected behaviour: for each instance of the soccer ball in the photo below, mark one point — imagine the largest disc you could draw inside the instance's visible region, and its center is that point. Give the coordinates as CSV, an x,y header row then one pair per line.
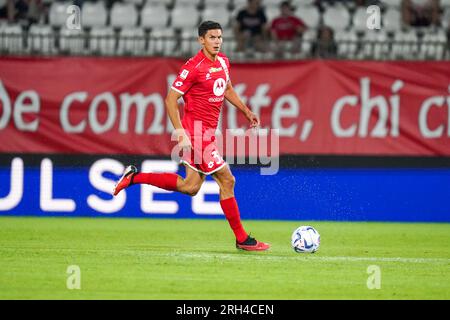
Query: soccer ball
x,y
305,239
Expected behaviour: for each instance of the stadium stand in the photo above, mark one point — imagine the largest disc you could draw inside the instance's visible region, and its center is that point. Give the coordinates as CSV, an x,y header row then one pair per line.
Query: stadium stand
x,y
94,14
41,39
167,27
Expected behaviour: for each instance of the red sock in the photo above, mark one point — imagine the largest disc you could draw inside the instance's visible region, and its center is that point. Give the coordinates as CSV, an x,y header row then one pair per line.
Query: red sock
x,y
231,210
167,181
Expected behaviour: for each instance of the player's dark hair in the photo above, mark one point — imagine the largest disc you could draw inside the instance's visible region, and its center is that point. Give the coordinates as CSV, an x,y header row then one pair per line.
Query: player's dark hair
x,y
207,25
286,4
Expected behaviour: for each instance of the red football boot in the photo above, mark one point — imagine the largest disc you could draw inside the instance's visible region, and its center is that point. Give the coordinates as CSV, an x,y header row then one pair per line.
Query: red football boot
x,y
125,180
251,244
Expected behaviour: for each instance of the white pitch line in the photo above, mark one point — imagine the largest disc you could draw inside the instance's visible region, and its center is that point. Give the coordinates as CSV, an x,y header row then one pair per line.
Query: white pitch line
x,y
301,257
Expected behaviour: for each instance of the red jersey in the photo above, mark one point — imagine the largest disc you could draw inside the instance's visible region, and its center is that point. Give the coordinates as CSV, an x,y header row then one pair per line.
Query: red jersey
x,y
286,27
202,83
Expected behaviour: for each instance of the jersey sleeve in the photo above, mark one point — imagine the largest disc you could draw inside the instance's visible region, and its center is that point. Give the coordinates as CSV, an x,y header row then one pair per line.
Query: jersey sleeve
x,y
185,79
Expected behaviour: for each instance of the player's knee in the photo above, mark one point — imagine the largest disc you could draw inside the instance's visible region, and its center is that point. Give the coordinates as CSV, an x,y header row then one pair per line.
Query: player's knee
x,y
192,190
229,182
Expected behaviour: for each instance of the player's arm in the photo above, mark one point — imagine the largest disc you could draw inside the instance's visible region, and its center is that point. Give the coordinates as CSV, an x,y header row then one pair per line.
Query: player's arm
x,y
174,116
300,27
235,100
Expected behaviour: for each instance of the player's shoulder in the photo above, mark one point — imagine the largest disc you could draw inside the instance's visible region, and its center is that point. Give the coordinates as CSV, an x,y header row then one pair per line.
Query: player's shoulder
x,y
224,57
192,63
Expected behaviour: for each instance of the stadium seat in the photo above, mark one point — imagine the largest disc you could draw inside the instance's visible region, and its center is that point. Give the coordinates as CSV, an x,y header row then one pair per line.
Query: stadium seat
x,y
336,4
58,13
94,14
309,37
135,2
165,3
102,41
41,39
392,20
406,45
187,3
272,13
216,3
297,3
132,41
376,45
185,17
445,19
123,15
229,42
162,42
11,38
433,45
189,42
392,3
239,4
71,41
271,3
347,43
359,19
336,17
154,16
310,15
218,14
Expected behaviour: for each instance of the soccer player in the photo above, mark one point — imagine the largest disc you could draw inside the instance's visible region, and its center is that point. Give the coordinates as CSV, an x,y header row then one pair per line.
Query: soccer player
x,y
204,82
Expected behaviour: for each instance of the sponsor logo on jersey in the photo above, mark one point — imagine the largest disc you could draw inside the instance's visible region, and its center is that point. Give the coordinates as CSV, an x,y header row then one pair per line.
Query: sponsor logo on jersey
x,y
219,87
184,74
178,84
212,69
216,99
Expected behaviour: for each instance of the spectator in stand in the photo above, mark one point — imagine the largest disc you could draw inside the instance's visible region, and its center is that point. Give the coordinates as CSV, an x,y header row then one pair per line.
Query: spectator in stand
x,y
78,3
3,10
323,4
325,46
21,10
420,13
250,27
366,3
286,30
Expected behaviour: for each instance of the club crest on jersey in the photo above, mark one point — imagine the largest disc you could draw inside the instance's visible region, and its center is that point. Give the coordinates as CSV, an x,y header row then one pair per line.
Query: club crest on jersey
x,y
184,74
212,69
208,76
219,87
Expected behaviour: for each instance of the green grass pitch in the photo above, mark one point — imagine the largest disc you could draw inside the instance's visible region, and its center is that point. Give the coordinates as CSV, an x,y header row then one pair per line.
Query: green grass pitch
x,y
196,259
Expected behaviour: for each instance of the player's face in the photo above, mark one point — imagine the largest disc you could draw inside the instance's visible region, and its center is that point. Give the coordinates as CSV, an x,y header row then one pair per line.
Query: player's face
x,y
212,41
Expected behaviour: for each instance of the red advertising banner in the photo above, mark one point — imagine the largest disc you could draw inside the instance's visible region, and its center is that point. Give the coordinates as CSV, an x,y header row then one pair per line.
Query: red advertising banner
x,y
116,105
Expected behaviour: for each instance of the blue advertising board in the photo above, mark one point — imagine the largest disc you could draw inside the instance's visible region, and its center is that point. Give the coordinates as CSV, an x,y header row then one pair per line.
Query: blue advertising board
x,y
337,194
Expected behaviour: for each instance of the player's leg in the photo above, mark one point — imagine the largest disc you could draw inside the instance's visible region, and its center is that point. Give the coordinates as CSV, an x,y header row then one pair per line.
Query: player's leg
x,y
226,182
192,183
168,181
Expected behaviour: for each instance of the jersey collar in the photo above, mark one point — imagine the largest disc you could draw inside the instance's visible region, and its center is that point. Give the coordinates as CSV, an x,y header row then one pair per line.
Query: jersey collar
x,y
205,57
